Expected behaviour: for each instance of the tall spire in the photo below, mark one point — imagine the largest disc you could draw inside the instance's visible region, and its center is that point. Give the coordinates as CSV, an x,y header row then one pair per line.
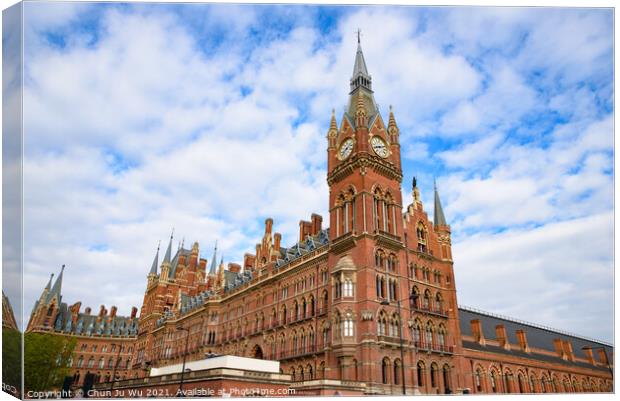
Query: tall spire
x,y
155,262
359,69
439,218
57,287
213,268
169,250
361,81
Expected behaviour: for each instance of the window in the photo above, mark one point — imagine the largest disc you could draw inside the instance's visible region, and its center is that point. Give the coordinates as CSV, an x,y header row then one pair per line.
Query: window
x,y
493,381
416,334
420,374
384,370
101,362
348,327
110,363
104,348
397,372
429,336
434,380
80,361
348,288
478,380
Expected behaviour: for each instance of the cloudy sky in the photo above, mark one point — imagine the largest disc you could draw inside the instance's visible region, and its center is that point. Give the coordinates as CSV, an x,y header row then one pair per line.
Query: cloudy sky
x,y
140,118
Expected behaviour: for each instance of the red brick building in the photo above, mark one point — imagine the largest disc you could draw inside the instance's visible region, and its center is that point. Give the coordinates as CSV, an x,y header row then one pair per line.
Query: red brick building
x,y
105,341
367,305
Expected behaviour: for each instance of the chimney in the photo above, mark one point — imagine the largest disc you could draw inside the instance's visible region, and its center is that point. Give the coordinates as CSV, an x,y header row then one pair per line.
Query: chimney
x,y
568,350
203,264
557,345
113,310
589,355
87,310
602,356
522,338
305,228
277,237
268,225
476,331
234,267
317,222
134,311
248,261
501,336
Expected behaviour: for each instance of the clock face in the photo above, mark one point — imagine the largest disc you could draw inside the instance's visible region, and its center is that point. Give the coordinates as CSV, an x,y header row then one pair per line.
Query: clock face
x,y
379,146
345,148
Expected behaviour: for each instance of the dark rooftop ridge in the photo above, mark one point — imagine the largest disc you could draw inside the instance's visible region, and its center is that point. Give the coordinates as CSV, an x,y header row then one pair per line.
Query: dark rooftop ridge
x,y
535,325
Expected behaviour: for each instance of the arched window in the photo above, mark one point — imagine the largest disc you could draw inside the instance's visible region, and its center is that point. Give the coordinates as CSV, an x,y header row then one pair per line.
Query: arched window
x,y
426,301
420,374
381,323
494,381
441,337
397,371
415,297
446,379
101,363
478,380
434,371
429,335
507,378
312,306
438,303
416,333
385,366
110,363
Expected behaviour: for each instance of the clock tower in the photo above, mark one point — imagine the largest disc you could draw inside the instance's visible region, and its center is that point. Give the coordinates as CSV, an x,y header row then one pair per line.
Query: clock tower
x,y
390,270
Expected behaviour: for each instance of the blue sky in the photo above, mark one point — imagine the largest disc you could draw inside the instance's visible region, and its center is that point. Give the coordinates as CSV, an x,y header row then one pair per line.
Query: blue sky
x,y
211,118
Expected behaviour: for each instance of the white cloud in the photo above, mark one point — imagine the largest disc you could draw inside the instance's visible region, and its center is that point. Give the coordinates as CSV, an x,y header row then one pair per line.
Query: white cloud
x,y
557,275
149,128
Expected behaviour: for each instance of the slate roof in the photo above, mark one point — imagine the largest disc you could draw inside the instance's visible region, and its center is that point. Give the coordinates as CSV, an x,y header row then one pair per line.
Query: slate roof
x,y
537,336
87,325
301,248
175,260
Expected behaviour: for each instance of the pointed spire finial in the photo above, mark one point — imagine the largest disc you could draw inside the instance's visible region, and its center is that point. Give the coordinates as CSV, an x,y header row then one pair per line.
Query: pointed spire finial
x,y
439,218
414,182
56,289
155,260
359,34
49,283
168,253
213,267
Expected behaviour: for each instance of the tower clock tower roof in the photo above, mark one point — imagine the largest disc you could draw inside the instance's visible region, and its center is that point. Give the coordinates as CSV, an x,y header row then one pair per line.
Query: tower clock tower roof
x,y
361,87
